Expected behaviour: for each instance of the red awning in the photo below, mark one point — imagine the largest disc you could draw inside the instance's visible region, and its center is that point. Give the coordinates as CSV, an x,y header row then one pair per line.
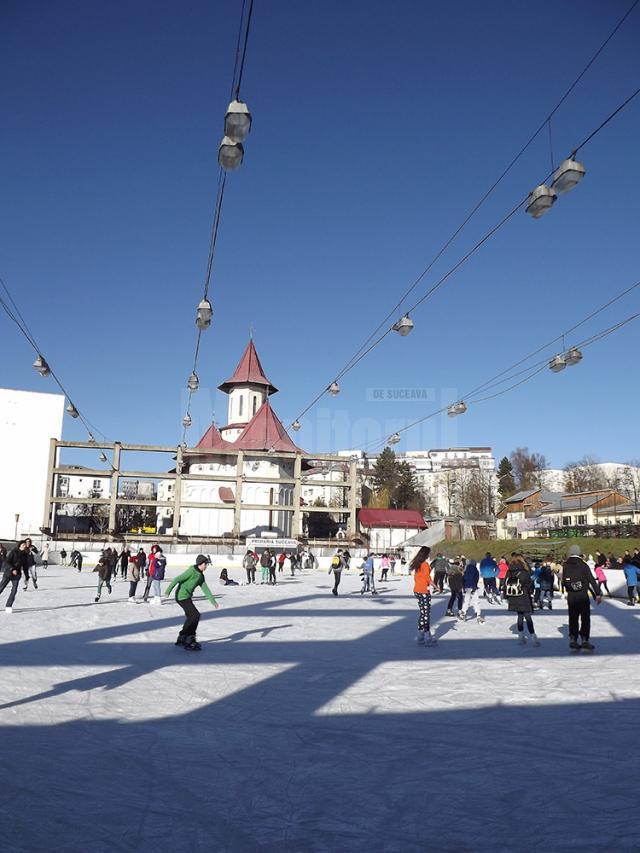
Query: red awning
x,y
406,518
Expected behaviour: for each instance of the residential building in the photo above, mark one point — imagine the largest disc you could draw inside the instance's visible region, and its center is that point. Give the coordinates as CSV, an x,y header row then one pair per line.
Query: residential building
x,y
387,529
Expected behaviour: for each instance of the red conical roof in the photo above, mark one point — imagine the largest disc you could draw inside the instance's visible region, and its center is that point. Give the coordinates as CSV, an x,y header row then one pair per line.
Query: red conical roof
x,y
264,431
250,370
212,439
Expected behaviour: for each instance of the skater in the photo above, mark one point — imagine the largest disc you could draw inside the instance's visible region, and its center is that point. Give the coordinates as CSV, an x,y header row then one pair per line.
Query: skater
x,y
12,570
346,558
264,566
151,564
578,580
368,578
392,563
489,572
518,586
186,584
272,569
124,561
30,571
79,559
63,557
631,574
281,558
439,569
535,576
133,576
337,565
470,581
455,585
503,568
422,584
602,578
225,580
141,560
157,575
249,565
546,586
104,576
45,555
384,567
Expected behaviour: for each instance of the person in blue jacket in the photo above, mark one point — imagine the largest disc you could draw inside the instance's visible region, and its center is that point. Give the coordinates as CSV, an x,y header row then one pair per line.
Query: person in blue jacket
x,y
489,573
631,573
470,581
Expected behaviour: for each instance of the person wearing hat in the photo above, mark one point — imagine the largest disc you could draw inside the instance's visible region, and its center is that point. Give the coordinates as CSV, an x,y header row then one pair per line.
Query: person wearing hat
x,y
186,584
578,580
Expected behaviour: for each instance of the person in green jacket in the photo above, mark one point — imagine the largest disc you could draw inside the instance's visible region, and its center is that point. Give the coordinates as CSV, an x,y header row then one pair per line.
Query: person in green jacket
x,y
186,584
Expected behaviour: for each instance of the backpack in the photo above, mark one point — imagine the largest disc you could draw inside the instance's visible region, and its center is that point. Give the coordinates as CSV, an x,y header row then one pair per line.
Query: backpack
x,y
264,560
513,585
335,563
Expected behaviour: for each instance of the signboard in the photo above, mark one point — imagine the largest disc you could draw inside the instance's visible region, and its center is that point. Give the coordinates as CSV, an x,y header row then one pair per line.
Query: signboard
x,y
255,542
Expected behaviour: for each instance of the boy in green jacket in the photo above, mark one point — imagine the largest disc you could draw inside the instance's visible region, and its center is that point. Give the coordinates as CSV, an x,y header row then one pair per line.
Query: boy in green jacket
x,y
187,583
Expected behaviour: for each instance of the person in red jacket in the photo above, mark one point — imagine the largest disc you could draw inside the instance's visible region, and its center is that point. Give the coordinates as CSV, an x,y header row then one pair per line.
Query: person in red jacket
x,y
503,568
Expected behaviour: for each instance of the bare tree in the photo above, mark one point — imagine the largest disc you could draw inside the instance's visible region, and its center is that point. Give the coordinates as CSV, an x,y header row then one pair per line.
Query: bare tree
x,y
527,468
631,480
585,475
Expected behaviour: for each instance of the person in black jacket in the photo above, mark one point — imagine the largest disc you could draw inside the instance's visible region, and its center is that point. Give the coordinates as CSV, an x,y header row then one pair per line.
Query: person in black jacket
x,y
578,580
12,569
30,571
518,585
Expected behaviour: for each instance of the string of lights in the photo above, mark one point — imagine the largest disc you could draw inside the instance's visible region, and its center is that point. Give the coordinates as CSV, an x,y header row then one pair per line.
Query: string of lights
x,y
536,203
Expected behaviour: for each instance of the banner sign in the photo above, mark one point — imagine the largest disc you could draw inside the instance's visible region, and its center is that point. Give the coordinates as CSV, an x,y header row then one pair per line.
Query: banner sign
x,y
254,542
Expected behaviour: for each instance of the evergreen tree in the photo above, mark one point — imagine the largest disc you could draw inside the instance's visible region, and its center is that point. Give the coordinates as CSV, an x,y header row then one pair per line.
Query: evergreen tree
x,y
385,472
407,494
506,482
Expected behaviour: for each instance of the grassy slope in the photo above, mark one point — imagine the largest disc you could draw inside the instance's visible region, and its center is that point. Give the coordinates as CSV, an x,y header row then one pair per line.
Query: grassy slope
x,y
499,547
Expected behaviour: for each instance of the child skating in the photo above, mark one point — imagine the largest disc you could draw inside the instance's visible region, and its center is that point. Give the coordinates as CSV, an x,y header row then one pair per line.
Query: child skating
x,y
186,584
518,586
471,597
422,584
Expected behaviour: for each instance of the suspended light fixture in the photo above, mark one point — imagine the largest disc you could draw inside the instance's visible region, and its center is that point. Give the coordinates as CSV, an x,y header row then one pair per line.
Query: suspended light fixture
x,y
296,425
193,382
567,175
204,314
334,389
394,439
456,409
71,409
91,439
573,356
271,451
403,326
540,200
40,364
230,154
558,363
237,121
103,458
186,421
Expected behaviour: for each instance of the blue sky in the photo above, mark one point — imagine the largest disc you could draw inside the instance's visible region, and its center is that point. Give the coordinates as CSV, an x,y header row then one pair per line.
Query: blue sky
x,y
376,127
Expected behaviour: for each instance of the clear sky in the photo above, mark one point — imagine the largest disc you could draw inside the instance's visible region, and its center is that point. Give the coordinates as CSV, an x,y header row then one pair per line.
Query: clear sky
x,y
377,126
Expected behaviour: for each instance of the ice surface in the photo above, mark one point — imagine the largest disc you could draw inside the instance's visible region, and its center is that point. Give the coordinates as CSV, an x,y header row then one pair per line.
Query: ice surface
x,y
311,723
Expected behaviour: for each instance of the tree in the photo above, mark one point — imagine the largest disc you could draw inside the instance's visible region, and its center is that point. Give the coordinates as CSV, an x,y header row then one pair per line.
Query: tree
x,y
506,483
407,494
386,474
475,494
527,468
584,476
631,480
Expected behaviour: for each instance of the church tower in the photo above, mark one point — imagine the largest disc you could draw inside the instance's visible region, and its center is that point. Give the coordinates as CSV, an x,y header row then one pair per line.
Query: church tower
x,y
248,389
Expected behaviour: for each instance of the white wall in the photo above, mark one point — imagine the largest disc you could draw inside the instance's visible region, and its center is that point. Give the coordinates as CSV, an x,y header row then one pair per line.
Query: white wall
x,y
27,421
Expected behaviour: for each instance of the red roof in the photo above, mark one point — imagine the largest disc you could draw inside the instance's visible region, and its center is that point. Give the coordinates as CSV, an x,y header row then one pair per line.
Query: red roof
x,y
263,431
391,518
249,370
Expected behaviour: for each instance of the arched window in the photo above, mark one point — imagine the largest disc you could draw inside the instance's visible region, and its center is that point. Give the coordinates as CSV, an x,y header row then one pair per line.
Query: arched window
x,y
240,406
255,403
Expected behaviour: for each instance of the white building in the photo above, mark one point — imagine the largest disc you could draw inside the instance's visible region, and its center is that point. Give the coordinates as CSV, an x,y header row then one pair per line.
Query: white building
x,y
252,425
28,420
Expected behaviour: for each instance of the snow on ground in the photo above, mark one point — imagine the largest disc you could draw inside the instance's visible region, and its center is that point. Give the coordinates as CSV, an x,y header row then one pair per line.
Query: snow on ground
x,y
311,723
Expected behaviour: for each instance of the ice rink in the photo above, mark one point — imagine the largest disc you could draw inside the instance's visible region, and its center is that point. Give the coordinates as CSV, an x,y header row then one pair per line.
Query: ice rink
x,y
311,723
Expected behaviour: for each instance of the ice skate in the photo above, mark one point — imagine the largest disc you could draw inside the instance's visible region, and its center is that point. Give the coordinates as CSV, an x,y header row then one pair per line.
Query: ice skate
x,y
420,638
587,646
535,640
180,641
97,599
573,645
192,645
480,620
8,610
131,601
522,639
430,640
157,599
462,616
449,612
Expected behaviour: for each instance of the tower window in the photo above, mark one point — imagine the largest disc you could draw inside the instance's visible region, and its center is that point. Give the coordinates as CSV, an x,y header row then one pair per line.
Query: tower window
x,y
255,404
240,406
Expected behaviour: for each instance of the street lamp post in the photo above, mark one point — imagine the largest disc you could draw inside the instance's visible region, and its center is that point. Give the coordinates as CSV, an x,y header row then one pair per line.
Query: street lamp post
x,y
15,536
